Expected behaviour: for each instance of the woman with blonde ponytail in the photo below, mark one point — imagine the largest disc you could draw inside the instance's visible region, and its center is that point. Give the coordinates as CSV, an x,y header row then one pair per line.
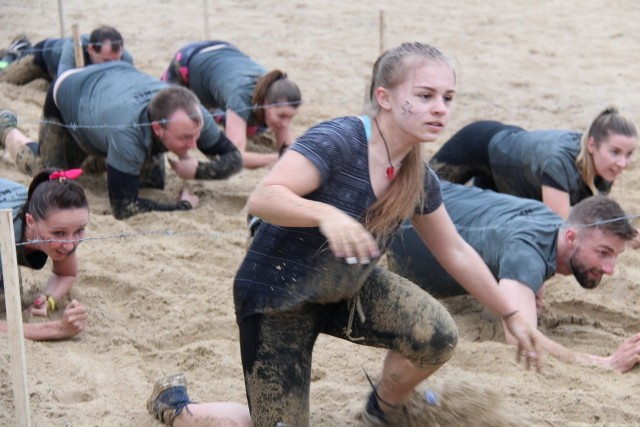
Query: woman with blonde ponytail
x,y
557,167
250,99
329,208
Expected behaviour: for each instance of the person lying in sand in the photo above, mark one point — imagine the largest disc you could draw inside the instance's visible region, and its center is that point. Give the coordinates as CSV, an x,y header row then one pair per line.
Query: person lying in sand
x,y
129,120
524,244
54,207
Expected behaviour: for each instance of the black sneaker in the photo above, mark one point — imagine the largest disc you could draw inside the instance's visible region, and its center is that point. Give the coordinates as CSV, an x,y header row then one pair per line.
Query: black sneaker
x,y
372,414
169,398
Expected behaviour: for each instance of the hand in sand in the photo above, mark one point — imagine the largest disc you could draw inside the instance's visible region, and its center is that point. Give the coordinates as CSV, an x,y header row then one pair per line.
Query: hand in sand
x,y
74,319
185,194
626,356
527,336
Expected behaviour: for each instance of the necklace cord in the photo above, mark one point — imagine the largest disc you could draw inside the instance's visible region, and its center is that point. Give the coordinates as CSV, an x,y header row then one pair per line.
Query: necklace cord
x,y
391,170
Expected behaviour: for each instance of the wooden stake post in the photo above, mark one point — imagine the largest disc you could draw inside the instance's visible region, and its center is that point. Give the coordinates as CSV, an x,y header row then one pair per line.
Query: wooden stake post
x,y
61,17
14,319
77,47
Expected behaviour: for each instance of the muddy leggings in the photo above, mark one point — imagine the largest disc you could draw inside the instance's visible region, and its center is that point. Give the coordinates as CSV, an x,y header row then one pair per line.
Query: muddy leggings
x,y
276,348
466,155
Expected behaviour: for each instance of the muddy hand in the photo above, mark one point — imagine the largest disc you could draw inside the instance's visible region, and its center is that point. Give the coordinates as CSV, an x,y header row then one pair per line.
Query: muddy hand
x,y
348,239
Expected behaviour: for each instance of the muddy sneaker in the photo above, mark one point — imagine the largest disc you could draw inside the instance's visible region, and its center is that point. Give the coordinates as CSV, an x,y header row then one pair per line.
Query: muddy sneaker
x,y
8,121
372,414
169,398
19,45
420,409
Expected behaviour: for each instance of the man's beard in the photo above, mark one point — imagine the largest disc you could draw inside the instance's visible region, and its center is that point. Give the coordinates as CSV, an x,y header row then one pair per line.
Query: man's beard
x,y
582,274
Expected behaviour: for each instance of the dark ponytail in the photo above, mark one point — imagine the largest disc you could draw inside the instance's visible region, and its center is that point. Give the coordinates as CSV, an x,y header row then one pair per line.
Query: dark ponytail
x,y
272,88
47,194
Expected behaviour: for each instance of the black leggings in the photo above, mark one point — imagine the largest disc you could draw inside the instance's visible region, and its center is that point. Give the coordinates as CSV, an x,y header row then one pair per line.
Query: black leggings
x,y
276,348
38,58
466,154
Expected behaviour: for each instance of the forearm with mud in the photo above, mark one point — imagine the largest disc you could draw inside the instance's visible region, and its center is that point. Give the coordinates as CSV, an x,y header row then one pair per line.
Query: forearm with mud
x,y
220,167
126,210
290,210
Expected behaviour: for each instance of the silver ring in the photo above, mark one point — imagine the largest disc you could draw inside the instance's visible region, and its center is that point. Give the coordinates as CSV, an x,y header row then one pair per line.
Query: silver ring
x,y
351,260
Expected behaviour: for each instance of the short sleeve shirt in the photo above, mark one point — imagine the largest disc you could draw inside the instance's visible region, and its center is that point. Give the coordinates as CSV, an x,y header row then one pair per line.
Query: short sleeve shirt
x,y
515,237
105,109
225,78
59,55
521,161
288,266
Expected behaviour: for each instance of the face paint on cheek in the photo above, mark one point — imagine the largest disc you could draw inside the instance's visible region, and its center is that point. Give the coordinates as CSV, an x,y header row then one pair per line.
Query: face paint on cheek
x,y
407,107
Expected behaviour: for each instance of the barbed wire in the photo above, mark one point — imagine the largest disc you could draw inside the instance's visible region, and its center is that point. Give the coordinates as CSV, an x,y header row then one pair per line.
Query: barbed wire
x,y
126,235
243,234
215,115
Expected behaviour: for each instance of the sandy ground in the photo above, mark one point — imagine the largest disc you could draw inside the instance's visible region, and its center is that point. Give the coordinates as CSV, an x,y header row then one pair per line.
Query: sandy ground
x,y
162,303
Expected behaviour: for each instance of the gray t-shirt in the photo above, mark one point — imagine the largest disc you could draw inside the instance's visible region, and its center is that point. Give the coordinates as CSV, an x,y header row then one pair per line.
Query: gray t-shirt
x,y
59,55
225,78
110,101
516,238
521,160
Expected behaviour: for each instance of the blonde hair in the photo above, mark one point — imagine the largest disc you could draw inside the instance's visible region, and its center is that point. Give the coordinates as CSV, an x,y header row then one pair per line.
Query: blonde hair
x,y
608,122
406,191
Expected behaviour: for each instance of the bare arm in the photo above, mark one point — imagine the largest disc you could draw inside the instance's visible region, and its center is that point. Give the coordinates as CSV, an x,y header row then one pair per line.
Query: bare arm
x,y
622,360
557,200
464,264
60,282
461,260
236,130
626,356
64,273
278,199
73,321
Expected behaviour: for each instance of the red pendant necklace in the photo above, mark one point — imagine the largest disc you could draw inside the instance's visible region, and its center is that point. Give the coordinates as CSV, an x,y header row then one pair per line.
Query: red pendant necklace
x,y
391,170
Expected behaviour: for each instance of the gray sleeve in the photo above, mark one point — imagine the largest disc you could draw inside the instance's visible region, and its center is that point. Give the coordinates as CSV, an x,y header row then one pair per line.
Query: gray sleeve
x,y
210,133
432,192
523,263
67,57
126,152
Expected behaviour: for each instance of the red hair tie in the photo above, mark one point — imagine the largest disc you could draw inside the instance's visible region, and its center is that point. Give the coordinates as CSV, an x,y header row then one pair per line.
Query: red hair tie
x,y
68,174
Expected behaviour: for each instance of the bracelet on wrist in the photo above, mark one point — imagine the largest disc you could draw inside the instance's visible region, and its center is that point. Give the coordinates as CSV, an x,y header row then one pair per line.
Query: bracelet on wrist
x,y
51,303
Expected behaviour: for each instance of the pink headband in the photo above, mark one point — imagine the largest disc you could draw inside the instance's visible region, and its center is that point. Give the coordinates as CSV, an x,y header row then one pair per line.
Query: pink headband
x,y
68,174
